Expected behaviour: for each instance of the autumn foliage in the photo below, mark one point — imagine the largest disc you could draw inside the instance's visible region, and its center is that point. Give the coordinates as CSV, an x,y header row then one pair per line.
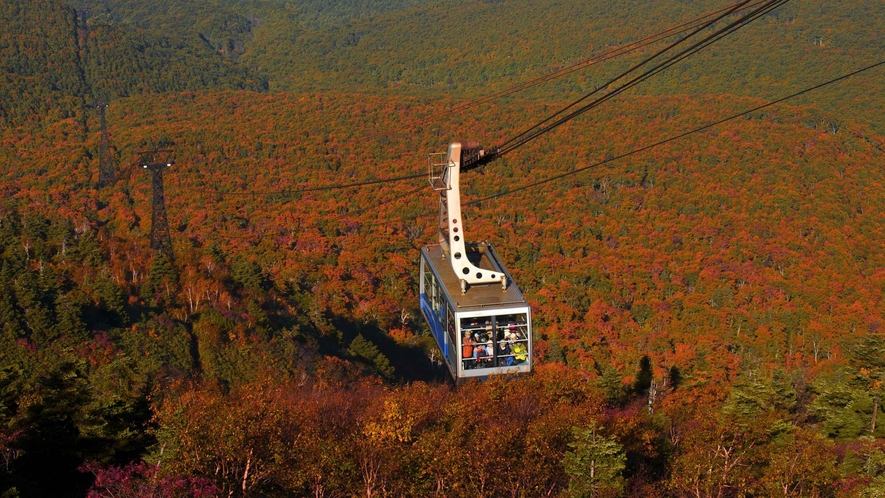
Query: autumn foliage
x,y
708,314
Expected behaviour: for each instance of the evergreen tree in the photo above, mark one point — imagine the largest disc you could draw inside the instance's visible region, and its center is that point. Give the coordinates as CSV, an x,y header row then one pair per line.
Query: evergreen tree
x,y
874,470
644,376
594,463
51,447
37,316
112,300
364,348
555,354
259,321
162,276
849,402
840,408
88,250
611,383
10,315
247,273
754,394
49,284
868,365
10,227
674,376
60,235
214,250
34,227
70,324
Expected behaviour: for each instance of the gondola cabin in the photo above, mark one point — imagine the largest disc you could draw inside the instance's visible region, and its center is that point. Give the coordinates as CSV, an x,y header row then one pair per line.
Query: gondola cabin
x,y
475,311
485,331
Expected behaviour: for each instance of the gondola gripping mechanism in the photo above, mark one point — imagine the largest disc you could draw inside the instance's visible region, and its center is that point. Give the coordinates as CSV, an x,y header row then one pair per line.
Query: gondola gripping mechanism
x,y
445,170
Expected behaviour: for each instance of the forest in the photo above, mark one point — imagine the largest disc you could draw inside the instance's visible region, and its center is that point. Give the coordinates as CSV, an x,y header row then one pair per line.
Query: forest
x,y
708,313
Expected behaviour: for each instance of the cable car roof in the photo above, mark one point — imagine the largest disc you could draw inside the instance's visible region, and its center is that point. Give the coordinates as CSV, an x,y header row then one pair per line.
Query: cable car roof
x,y
478,297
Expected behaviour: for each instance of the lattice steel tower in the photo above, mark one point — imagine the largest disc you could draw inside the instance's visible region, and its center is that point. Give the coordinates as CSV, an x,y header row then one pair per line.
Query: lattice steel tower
x,y
156,161
106,171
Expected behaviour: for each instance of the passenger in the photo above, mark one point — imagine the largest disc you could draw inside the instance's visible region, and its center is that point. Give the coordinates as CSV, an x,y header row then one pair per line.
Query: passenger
x,y
520,353
504,356
467,350
482,356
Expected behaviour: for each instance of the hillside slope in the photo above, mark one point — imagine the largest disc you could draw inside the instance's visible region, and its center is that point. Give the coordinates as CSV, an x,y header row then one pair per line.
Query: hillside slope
x,y
780,201
465,49
55,61
434,48
741,270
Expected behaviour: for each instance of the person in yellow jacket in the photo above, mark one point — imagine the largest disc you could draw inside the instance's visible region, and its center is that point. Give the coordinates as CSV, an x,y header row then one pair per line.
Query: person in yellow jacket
x,y
520,353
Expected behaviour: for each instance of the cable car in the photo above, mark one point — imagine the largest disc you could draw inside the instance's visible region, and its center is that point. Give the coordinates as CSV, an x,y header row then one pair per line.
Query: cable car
x,y
475,310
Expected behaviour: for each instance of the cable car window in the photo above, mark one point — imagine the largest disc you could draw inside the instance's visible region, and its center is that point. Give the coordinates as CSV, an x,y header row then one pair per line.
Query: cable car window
x,y
428,283
478,343
441,313
512,334
449,325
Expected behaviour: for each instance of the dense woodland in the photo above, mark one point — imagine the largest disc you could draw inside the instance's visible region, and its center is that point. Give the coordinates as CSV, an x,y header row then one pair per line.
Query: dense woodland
x,y
708,314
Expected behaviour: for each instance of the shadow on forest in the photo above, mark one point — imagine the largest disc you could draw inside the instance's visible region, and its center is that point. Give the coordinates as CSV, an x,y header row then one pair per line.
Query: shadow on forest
x,y
409,361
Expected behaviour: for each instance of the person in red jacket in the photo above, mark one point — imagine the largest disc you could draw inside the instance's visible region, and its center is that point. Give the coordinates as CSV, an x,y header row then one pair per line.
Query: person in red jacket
x,y
468,352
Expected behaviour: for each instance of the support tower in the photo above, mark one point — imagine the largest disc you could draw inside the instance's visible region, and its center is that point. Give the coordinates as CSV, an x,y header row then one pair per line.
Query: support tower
x,y
156,161
106,171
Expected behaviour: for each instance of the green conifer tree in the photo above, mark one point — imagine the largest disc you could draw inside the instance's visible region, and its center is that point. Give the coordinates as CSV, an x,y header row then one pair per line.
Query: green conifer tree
x,y
868,365
70,324
88,250
616,392
555,354
162,276
594,464
874,470
10,315
112,300
364,348
247,273
37,316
